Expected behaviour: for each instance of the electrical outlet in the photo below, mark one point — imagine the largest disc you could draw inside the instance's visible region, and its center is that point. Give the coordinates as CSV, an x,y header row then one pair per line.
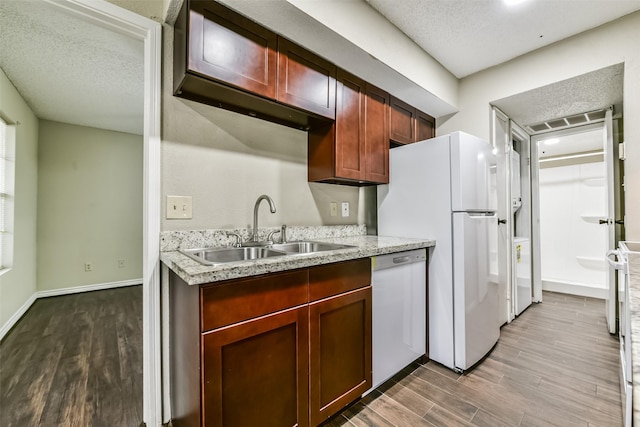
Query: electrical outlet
x,y
88,266
179,207
121,263
334,209
345,209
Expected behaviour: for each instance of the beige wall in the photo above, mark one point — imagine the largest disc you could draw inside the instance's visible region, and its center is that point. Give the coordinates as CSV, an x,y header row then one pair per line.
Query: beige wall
x,y
19,284
604,46
89,206
226,160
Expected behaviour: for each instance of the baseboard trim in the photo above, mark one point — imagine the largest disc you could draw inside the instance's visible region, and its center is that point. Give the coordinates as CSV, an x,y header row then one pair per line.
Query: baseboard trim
x,y
16,316
574,289
58,292
87,288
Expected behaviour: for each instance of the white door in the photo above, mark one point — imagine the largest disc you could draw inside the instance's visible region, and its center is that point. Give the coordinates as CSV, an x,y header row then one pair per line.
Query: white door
x,y
609,221
501,139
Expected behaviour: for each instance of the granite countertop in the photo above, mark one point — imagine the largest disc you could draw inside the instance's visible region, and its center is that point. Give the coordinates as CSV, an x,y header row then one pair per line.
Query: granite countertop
x,y
634,307
194,273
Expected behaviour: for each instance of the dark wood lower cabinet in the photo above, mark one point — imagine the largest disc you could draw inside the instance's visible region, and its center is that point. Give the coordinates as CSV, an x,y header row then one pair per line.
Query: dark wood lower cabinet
x,y
256,372
281,349
340,352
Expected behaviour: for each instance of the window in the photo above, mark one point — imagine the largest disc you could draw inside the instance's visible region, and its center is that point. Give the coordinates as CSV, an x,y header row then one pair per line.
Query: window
x,y
7,176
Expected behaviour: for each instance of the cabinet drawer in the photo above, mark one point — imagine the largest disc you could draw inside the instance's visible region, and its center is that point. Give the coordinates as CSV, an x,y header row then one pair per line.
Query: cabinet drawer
x,y
333,279
243,299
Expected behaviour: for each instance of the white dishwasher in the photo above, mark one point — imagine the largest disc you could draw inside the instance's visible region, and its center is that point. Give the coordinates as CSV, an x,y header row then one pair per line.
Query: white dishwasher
x,y
399,311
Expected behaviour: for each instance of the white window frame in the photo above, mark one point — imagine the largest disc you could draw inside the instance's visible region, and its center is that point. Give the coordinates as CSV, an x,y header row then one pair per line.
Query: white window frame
x,y
7,191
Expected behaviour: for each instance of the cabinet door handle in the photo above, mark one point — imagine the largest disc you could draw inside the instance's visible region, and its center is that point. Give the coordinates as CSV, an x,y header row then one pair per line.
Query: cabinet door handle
x,y
401,260
502,221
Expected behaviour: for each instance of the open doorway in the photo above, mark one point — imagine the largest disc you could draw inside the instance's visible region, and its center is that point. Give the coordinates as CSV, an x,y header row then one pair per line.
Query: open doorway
x,y
573,202
579,209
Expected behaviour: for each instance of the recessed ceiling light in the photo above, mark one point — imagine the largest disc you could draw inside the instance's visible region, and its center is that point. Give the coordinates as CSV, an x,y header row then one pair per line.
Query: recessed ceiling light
x,y
551,141
513,2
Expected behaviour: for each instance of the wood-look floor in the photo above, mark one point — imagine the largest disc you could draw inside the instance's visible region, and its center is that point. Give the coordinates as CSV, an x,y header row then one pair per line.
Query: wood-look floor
x,y
555,365
75,360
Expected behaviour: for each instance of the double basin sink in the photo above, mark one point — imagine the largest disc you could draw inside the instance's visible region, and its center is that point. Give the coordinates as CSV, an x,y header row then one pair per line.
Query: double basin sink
x,y
213,256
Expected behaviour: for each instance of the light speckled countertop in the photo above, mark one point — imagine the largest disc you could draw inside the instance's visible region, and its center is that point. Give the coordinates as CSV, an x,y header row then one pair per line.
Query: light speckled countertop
x,y
194,273
634,307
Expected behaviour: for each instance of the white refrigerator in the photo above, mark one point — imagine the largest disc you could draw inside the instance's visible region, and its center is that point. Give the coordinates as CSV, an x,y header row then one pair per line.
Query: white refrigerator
x,y
444,188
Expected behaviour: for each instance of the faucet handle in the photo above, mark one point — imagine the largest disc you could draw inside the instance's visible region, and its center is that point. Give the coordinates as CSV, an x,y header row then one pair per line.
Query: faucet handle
x,y
270,235
283,234
238,242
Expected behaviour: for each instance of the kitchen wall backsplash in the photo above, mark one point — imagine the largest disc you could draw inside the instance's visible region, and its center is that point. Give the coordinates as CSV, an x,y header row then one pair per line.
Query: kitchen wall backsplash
x,y
174,240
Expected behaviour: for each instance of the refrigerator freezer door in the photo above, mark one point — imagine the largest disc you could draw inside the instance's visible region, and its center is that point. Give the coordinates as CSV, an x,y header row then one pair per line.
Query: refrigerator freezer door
x,y
475,288
472,166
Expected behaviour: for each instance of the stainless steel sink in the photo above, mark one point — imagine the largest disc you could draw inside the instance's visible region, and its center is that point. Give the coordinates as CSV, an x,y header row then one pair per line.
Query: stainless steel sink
x,y
308,247
211,256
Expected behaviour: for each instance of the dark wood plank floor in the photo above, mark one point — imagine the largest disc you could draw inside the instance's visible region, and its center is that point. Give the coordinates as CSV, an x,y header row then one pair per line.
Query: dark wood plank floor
x,y
555,365
75,360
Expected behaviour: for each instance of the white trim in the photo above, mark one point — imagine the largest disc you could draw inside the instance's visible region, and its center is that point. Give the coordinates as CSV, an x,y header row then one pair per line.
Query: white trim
x,y
16,316
87,288
574,289
129,23
58,292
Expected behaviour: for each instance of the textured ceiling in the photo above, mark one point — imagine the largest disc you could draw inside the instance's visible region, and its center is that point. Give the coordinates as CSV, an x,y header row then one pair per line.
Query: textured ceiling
x,y
467,36
587,92
72,71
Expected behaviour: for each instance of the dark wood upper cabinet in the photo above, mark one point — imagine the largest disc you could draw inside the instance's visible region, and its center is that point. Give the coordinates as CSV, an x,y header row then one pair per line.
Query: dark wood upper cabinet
x,y
305,80
228,61
355,149
425,126
401,122
376,130
408,124
226,46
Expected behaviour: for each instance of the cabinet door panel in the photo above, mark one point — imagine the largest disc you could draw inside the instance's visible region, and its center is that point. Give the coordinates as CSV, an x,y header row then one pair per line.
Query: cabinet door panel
x,y
228,47
376,135
350,127
340,352
256,372
306,80
401,122
425,126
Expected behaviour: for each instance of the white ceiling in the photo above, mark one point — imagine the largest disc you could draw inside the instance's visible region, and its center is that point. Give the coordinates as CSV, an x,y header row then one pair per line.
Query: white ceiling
x,y
72,71
467,36
579,142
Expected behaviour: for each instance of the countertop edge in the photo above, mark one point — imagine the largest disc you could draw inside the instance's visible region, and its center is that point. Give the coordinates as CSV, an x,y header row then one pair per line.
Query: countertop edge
x,y
194,273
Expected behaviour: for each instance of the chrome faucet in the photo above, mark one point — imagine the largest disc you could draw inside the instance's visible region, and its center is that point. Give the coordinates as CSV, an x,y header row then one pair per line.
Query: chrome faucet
x,y
272,206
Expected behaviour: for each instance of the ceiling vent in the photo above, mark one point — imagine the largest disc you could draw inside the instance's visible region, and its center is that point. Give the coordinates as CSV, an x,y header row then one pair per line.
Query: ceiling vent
x,y
567,122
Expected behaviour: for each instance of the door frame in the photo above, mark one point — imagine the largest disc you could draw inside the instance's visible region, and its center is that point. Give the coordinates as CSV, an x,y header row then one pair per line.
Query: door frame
x,y
535,168
125,22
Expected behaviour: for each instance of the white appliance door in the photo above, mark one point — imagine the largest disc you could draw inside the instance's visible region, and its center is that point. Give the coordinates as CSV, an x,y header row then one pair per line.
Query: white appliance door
x,y
475,290
472,164
399,320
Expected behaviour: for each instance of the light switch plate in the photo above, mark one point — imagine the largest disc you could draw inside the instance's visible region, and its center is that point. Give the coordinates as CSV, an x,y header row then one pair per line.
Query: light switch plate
x,y
334,209
179,207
